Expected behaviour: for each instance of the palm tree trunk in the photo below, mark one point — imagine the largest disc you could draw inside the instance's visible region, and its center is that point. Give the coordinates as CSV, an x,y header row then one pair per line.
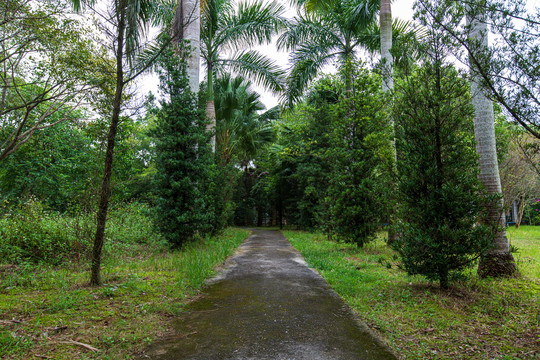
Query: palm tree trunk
x,y
187,26
99,238
210,107
498,261
386,45
388,84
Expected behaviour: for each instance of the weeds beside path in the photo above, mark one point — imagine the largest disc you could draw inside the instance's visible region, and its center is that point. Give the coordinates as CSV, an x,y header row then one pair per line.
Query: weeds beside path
x,y
51,313
475,319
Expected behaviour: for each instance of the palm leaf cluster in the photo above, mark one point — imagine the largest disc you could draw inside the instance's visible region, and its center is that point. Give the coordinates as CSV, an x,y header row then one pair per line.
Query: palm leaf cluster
x,y
241,130
331,31
226,28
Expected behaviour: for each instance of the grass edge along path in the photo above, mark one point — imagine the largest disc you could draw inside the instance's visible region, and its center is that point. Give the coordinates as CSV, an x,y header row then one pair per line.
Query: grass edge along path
x,y
51,313
474,319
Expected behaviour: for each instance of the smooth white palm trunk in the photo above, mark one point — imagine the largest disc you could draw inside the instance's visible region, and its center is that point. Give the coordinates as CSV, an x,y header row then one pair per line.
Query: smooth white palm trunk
x,y
386,45
498,260
191,12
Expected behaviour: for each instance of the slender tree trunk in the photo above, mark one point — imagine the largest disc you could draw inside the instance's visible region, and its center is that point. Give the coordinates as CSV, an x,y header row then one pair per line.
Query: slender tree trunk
x,y
386,45
498,261
210,107
99,238
388,86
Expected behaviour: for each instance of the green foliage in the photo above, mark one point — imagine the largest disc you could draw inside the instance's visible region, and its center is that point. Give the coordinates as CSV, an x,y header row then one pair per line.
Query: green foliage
x,y
442,202
330,166
56,165
29,233
225,26
223,187
49,65
359,159
183,157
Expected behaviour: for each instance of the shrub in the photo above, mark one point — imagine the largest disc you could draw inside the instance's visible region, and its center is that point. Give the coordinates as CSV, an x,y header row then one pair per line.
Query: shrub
x,y
31,234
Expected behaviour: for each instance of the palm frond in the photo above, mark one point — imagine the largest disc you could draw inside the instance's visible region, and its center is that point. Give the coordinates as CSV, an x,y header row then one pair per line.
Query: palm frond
x,y
259,68
401,30
162,12
78,5
306,28
256,22
308,60
361,14
137,14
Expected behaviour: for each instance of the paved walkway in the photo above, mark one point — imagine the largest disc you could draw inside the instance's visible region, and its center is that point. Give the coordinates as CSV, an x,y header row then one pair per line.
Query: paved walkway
x,y
267,304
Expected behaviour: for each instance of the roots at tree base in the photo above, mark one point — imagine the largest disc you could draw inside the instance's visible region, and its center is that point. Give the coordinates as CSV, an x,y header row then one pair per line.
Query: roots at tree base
x,y
497,264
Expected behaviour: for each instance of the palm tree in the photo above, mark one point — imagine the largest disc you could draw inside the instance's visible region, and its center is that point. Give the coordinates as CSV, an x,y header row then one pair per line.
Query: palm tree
x,y
333,30
241,131
129,19
498,260
225,29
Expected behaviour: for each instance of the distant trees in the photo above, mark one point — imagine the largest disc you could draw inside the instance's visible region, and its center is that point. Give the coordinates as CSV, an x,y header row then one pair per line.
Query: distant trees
x,y
329,167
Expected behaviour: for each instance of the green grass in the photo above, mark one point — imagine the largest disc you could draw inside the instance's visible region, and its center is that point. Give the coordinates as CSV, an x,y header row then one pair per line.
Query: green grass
x,y
526,240
43,309
474,319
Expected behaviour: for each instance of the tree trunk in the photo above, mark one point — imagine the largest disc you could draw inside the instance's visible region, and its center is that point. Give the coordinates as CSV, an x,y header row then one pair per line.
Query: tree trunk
x,y
497,261
386,45
211,114
187,26
210,107
99,238
388,85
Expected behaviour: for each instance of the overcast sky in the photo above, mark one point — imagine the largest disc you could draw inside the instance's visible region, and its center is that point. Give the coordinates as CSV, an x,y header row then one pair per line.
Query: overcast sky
x,y
400,9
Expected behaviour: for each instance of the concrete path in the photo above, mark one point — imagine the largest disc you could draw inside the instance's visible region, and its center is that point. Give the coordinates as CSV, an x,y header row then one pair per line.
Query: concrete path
x,y
267,304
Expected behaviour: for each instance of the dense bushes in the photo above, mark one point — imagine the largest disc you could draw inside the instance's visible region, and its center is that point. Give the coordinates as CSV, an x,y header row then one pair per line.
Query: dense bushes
x,y
31,234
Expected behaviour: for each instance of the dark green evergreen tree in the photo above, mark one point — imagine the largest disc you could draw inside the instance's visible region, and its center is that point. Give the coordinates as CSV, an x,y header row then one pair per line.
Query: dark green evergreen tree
x,y
183,157
442,200
359,157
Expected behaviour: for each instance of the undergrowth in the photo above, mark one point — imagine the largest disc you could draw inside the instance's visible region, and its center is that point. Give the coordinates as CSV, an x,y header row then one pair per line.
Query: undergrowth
x,y
49,311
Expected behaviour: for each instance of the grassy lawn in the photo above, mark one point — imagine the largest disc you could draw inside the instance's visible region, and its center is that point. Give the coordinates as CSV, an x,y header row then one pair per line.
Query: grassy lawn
x,y
51,313
475,319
